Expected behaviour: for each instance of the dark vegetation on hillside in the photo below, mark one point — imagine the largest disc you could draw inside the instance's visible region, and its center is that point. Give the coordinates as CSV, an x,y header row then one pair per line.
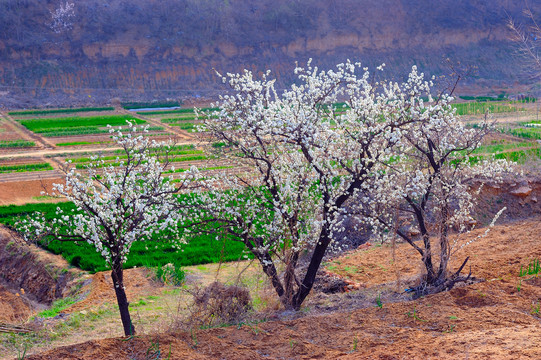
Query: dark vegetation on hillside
x,y
168,48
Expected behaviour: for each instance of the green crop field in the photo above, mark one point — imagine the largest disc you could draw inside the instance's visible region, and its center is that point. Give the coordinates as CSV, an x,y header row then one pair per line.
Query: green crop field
x,y
527,130
473,108
16,144
187,126
497,148
177,119
76,125
176,111
25,168
59,111
76,143
200,250
149,105
176,153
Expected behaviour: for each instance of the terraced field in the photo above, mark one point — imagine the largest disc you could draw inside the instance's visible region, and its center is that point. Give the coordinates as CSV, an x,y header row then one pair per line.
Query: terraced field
x,y
53,136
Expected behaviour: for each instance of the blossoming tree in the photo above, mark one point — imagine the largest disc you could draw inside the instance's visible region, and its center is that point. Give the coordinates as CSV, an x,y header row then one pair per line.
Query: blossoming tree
x,y
117,205
428,192
309,157
63,17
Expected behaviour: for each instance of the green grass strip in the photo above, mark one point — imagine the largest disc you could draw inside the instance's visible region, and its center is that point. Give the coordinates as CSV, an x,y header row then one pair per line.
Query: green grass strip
x,y
177,111
25,168
16,143
480,108
72,132
57,307
177,119
44,124
60,111
75,143
149,105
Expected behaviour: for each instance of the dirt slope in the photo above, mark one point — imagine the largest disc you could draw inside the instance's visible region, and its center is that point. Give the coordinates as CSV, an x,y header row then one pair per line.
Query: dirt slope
x,y
493,319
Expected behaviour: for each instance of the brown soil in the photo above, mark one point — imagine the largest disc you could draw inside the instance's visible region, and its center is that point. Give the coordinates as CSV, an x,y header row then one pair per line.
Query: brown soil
x,y
13,308
100,290
498,255
21,267
494,319
23,192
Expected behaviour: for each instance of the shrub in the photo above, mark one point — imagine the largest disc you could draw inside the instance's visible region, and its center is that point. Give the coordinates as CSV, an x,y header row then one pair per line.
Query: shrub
x,y
220,304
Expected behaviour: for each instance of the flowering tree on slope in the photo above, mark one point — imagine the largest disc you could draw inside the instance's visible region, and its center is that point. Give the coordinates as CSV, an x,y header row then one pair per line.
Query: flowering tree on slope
x,y
430,188
310,158
118,205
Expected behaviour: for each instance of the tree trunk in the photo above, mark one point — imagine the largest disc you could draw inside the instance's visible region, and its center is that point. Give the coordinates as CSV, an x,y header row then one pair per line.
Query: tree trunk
x,y
427,260
123,305
313,267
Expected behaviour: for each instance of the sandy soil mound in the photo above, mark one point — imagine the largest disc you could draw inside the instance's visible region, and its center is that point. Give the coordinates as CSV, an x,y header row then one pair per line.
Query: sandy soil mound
x,y
138,283
13,308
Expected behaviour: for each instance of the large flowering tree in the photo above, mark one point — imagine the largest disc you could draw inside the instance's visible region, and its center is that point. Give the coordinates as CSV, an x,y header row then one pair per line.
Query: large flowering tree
x,y
310,158
118,204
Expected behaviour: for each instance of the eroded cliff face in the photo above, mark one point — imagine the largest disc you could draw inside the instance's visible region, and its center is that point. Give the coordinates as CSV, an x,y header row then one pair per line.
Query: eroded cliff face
x,y
170,48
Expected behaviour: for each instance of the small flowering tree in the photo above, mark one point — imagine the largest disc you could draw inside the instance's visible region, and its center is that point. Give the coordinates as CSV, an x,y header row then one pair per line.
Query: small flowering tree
x,y
117,205
309,159
427,192
62,17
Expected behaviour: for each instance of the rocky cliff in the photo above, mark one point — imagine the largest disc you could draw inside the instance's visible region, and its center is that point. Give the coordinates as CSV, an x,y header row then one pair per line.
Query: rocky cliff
x,y
168,48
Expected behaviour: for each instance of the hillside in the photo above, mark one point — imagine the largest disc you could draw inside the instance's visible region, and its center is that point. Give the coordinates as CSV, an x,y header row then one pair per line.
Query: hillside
x,y
168,48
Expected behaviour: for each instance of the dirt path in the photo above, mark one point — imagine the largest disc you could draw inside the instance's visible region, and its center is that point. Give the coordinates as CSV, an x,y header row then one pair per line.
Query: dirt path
x,y
27,134
58,152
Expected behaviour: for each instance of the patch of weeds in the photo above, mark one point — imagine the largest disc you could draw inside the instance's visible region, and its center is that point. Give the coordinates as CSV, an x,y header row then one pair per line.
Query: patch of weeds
x,y
193,335
382,267
141,302
154,353
253,325
170,274
355,342
201,268
174,291
535,309
450,329
414,314
480,293
519,286
378,301
44,197
534,268
452,317
19,344
57,307
292,343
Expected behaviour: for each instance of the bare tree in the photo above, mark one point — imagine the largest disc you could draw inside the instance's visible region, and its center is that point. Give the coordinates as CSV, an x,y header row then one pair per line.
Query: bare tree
x,y
528,38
